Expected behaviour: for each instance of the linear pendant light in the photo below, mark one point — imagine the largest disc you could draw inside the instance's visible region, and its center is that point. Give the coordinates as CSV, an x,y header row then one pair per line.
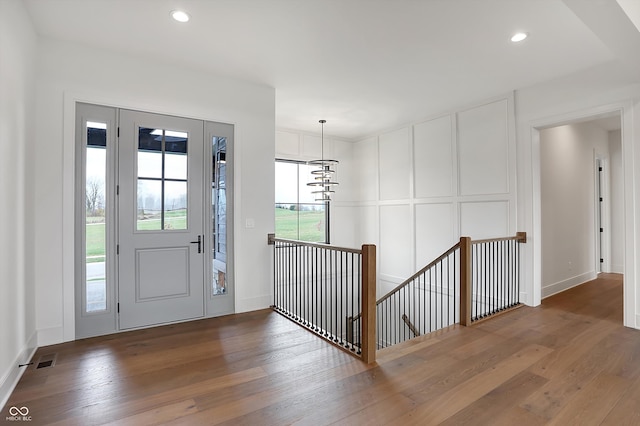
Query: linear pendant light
x,y
323,180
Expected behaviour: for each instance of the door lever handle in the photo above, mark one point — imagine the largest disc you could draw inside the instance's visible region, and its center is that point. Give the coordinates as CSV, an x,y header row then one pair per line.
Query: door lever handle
x,y
199,243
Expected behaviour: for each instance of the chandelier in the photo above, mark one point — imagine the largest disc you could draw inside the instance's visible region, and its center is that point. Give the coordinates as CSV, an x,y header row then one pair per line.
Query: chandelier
x,y
323,181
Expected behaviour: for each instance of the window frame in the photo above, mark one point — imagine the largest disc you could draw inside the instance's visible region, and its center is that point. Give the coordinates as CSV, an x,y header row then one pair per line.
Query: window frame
x,y
326,204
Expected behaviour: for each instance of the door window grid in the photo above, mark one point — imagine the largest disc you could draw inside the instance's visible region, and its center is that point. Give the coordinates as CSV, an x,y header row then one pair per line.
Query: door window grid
x,y
162,180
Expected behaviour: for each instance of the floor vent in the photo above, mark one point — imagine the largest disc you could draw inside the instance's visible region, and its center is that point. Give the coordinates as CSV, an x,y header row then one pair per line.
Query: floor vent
x,y
46,361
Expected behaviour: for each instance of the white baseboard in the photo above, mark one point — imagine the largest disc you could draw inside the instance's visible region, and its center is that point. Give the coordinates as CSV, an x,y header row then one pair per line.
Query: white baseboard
x,y
561,286
50,336
12,376
253,304
524,298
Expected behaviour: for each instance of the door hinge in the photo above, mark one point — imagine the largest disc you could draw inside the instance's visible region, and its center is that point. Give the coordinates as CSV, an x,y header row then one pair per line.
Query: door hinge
x,y
118,307
600,199
118,191
601,260
601,229
599,169
118,131
117,249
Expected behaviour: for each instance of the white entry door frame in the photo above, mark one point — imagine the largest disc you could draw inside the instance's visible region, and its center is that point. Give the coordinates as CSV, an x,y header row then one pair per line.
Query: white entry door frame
x,y
155,245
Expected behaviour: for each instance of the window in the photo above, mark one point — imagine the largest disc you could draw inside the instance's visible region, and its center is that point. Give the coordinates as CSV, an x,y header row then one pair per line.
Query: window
x,y
95,217
298,215
162,179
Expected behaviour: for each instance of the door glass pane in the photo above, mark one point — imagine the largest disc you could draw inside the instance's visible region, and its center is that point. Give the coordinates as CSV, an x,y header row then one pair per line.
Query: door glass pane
x,y
175,155
149,153
175,166
219,215
162,180
175,205
95,217
149,205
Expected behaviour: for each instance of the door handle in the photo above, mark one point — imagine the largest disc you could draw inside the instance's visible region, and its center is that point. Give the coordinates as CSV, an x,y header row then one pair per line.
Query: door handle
x,y
199,243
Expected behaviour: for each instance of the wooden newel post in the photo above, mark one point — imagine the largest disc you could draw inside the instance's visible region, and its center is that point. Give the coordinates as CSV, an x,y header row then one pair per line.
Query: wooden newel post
x,y
368,303
466,273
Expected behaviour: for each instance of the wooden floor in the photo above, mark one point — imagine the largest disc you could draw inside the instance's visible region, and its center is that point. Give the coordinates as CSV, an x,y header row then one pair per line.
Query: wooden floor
x,y
569,361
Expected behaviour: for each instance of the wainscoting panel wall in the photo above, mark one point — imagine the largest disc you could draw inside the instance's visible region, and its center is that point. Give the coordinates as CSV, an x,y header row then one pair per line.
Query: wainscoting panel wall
x,y
434,231
395,237
413,191
484,219
433,158
394,160
434,181
483,143
365,170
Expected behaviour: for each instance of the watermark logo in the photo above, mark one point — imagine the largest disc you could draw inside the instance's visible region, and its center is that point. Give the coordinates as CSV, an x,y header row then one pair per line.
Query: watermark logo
x,y
18,414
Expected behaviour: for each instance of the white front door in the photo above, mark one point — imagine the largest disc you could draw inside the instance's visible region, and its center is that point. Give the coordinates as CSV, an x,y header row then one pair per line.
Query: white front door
x,y
160,219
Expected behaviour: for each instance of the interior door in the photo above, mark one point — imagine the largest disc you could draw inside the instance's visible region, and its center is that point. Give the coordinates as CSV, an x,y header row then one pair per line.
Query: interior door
x,y
160,215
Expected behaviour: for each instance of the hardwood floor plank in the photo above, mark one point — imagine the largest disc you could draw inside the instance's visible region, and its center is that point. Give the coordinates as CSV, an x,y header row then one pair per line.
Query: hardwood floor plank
x,y
626,412
551,398
593,403
159,415
500,399
567,361
451,402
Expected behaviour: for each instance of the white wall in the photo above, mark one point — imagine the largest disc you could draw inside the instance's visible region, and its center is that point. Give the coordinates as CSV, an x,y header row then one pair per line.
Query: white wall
x,y
18,43
420,187
616,195
568,194
68,73
304,146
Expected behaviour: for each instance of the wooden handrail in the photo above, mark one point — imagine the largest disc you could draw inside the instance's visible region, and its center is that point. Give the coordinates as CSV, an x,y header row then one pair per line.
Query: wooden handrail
x,y
319,245
417,274
368,343
411,278
465,280
520,237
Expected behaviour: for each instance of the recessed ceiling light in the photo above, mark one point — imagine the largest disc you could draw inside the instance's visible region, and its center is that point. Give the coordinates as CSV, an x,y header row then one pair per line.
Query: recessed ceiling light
x,y
518,37
180,16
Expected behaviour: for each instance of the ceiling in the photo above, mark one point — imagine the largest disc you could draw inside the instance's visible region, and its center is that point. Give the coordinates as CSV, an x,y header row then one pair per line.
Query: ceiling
x,y
363,65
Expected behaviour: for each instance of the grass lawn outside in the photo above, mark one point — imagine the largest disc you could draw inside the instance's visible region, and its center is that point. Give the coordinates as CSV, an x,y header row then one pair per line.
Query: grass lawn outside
x,y
290,224
311,225
95,233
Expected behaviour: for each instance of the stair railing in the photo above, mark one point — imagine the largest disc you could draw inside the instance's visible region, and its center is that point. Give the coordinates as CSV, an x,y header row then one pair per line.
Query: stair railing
x,y
321,287
425,302
492,285
471,281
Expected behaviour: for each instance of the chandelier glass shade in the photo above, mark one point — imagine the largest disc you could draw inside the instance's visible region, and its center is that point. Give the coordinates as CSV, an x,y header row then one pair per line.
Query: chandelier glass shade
x,y
323,177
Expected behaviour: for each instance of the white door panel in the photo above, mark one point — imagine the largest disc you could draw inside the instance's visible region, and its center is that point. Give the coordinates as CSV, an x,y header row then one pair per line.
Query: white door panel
x,y
161,258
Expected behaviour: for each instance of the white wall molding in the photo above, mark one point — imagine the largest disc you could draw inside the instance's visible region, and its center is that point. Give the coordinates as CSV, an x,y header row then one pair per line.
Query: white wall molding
x,y
10,379
561,286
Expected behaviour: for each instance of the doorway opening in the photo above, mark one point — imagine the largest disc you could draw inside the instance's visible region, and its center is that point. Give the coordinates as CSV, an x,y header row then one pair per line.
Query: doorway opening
x,y
581,201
